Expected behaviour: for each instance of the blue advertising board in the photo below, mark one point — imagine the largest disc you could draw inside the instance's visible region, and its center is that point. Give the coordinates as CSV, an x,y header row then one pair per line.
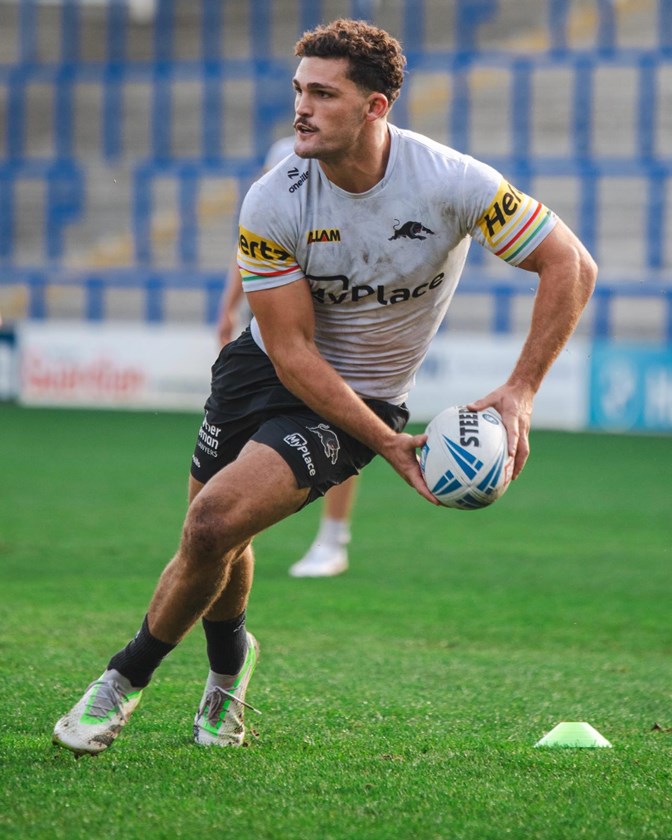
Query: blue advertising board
x,y
631,387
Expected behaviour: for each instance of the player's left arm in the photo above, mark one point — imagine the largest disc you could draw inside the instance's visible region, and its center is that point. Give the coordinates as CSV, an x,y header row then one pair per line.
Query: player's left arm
x,y
567,275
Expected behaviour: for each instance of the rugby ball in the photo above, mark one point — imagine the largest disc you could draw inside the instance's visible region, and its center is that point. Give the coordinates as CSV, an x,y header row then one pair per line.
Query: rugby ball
x,y
465,461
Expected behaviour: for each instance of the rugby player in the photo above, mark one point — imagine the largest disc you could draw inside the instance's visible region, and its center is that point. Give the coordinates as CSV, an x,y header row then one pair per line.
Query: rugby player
x,y
350,253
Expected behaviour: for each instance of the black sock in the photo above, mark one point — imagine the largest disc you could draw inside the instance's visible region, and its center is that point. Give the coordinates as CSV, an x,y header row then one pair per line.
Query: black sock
x,y
141,657
226,643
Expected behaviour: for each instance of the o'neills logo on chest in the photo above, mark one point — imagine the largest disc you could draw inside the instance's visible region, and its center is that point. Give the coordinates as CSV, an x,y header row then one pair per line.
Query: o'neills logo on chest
x,y
323,235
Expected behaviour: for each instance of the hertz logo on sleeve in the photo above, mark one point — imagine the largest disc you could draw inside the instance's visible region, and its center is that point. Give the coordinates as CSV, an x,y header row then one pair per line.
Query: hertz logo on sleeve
x,y
323,235
504,207
258,249
514,224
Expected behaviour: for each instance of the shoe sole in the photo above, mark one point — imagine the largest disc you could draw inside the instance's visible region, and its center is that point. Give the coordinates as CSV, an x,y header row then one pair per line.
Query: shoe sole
x,y
78,751
332,572
102,743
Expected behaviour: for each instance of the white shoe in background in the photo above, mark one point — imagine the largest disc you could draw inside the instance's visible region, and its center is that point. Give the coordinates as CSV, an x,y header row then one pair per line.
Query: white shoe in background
x,y
321,561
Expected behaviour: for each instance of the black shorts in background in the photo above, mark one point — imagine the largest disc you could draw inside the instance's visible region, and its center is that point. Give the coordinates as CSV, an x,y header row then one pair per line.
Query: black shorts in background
x,y
248,402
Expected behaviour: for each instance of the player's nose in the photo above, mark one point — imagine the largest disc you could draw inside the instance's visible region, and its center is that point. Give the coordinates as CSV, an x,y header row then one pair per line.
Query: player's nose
x,y
301,105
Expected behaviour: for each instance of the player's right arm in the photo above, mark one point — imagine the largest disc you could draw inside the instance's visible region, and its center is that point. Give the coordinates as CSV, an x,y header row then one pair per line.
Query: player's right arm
x,y
285,317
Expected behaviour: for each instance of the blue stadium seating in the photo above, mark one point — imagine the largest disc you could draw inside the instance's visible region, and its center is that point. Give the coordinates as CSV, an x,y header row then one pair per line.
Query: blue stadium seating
x,y
103,49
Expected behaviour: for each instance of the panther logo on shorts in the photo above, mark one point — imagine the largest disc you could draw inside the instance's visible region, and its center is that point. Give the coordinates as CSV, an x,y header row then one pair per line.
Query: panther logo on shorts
x,y
329,439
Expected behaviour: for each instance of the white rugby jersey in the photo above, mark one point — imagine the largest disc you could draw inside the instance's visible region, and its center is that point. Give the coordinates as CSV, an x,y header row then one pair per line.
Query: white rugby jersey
x,y
382,265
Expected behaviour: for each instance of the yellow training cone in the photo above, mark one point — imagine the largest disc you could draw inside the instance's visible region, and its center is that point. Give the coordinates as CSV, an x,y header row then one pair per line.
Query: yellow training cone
x,y
573,734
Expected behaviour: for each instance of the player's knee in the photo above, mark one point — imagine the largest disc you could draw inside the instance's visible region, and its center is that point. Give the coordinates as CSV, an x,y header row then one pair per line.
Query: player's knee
x,y
204,536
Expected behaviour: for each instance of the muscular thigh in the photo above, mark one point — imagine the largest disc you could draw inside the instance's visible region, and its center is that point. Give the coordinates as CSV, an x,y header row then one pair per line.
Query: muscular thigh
x,y
253,492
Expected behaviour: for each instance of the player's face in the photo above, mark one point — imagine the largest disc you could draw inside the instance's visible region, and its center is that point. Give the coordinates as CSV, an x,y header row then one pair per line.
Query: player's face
x,y
330,110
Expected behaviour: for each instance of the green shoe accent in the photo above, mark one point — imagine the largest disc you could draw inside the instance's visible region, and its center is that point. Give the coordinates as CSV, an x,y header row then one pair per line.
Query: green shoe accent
x,y
96,720
219,701
220,718
95,711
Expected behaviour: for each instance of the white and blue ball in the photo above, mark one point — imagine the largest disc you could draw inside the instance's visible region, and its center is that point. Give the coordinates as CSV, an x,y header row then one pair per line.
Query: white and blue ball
x,y
465,461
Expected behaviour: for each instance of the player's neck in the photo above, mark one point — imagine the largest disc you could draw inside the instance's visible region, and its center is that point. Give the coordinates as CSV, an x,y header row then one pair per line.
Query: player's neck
x,y
361,171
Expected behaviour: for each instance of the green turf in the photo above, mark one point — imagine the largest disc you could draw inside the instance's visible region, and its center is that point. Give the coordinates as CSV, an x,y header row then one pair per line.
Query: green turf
x,y
402,700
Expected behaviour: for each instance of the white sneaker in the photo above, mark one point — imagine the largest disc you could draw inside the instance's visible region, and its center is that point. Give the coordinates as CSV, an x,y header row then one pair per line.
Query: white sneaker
x,y
321,561
95,721
220,717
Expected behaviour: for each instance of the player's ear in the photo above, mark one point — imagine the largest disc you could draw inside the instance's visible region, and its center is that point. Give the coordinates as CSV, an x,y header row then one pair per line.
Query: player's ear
x,y
379,105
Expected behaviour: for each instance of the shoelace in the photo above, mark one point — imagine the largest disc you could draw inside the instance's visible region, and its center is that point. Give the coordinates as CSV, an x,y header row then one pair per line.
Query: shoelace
x,y
215,700
109,697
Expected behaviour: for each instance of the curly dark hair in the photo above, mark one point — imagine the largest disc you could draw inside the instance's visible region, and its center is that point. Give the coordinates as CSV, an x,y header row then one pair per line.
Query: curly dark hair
x,y
375,57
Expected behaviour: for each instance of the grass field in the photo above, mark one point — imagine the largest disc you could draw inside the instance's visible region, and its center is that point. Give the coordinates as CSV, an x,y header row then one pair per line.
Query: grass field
x,y
402,700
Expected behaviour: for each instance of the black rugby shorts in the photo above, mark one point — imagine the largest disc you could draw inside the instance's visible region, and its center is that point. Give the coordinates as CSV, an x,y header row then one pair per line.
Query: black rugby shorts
x,y
248,402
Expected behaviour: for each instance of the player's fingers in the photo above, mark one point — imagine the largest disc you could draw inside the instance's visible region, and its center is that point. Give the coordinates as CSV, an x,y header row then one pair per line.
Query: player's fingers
x,y
513,440
520,453
417,481
409,467
516,430
418,441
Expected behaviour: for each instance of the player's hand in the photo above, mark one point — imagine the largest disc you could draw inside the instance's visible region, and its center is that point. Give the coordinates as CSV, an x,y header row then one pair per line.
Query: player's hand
x,y
401,452
515,407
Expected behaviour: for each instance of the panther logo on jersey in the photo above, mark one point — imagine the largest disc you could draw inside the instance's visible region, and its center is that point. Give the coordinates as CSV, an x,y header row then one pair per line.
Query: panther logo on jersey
x,y
410,230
